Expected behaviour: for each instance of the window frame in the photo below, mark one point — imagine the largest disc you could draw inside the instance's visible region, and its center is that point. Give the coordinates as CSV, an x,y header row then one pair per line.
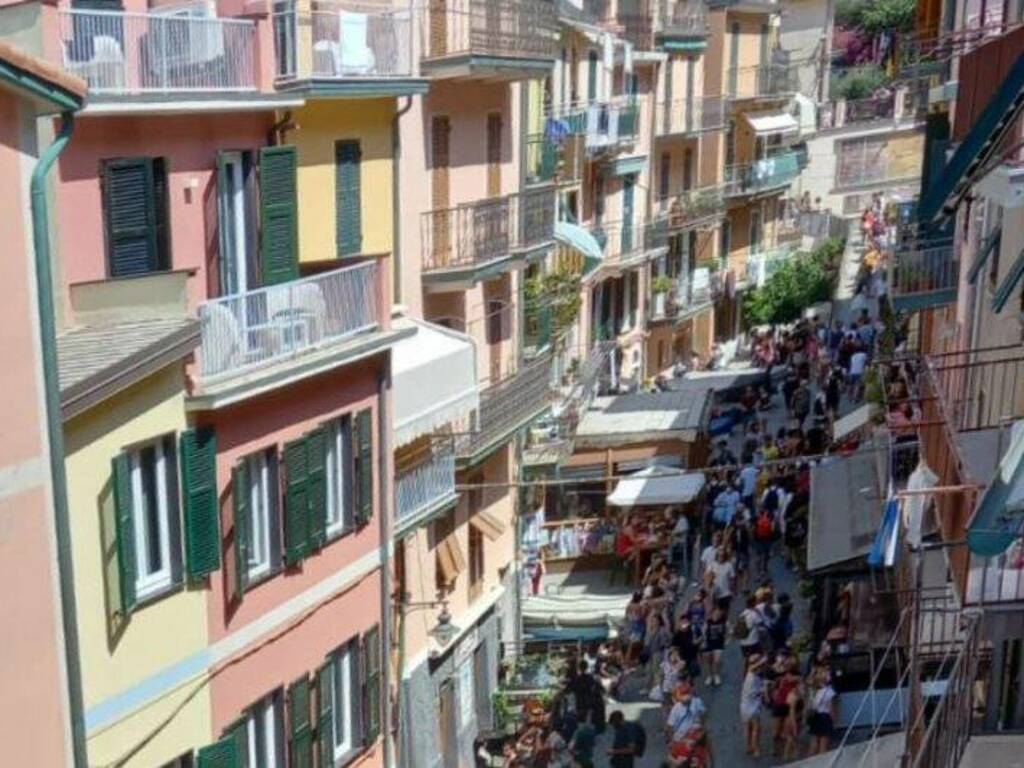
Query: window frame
x,y
345,671
151,584
340,475
269,708
264,482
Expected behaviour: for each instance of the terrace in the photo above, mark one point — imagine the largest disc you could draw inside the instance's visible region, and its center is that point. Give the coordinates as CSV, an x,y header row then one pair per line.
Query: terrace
x,y
425,484
763,81
686,117
925,275
772,174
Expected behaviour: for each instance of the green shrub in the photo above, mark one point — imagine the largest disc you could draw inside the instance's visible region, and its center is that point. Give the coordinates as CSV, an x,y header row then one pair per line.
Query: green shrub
x,y
858,83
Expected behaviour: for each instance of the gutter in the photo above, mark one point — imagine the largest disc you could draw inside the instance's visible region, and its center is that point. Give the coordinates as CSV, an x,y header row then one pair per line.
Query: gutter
x,y
396,201
54,431
386,490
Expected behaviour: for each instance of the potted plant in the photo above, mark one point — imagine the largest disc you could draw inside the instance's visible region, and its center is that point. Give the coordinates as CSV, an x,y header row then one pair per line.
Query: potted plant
x,y
661,284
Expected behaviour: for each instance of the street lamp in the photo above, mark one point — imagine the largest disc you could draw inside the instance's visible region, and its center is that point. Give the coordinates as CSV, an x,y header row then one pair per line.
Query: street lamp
x,y
444,631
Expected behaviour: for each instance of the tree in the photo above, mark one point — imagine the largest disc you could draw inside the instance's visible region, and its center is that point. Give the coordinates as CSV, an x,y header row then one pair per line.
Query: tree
x,y
799,282
873,17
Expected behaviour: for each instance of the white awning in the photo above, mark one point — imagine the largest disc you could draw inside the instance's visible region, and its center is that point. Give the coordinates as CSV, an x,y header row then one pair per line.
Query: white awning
x,y
433,379
768,123
853,421
657,485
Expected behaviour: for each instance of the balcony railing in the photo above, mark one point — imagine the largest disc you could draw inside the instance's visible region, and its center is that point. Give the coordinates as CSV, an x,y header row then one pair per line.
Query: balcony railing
x,y
425,484
928,271
696,204
763,81
488,230
508,405
604,124
692,116
761,265
629,238
689,291
771,173
341,41
516,29
684,18
273,324
157,53
541,159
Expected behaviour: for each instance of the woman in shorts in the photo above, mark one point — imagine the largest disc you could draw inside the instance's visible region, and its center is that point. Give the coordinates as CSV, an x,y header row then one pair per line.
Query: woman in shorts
x,y
714,643
821,719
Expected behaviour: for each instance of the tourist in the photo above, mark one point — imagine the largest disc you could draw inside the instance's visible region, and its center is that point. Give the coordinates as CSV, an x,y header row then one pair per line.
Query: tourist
x,y
720,579
752,697
785,698
582,745
714,643
710,552
627,742
858,364
726,504
748,628
821,719
698,609
765,530
692,751
748,482
686,642
688,712
801,403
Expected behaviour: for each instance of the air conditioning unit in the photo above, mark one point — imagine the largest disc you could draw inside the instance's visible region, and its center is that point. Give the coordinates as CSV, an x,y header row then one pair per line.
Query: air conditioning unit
x,y
1004,185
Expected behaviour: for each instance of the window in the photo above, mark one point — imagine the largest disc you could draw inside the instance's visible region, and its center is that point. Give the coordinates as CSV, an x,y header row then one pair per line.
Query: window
x,y
236,209
184,761
348,156
476,562
343,697
349,696
340,466
135,215
263,540
663,175
154,508
725,240
862,161
264,726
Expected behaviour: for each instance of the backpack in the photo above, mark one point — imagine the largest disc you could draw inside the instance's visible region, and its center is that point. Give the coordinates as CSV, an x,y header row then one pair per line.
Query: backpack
x,y
640,740
764,528
741,629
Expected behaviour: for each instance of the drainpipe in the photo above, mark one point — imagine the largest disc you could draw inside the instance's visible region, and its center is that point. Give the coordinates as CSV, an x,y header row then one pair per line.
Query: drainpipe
x,y
384,464
396,201
55,431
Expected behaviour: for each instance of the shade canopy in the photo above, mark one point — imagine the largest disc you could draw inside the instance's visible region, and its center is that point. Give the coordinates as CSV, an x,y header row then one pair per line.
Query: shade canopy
x,y
853,421
999,519
657,485
769,123
581,239
434,380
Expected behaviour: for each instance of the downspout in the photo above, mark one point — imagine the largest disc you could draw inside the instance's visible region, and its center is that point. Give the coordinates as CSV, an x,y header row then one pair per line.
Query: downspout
x,y
55,431
384,464
396,201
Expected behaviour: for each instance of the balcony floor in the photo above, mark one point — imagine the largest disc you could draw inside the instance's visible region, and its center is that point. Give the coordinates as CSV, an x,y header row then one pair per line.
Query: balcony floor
x,y
354,87
471,66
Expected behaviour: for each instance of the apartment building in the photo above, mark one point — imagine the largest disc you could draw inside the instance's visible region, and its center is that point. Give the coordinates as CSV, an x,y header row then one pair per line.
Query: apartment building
x,y
40,666
222,255
469,226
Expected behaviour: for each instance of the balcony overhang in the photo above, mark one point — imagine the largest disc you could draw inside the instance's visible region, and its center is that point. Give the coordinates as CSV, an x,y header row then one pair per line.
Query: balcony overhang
x,y
744,6
462,277
626,166
682,43
472,66
185,103
354,88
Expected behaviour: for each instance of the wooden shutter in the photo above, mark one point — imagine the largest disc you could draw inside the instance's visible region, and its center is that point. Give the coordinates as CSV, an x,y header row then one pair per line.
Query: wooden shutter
x,y
222,754
592,76
494,154
440,158
279,219
316,486
371,685
296,502
348,197
362,442
129,212
198,450
240,490
663,175
300,732
238,731
124,520
325,713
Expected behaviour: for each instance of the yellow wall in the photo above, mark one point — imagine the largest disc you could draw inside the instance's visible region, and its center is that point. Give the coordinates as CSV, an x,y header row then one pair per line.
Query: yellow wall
x,y
905,152
115,655
320,125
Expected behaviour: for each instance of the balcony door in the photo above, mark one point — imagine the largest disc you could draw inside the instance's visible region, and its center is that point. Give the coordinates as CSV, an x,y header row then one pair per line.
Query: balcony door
x,y
756,232
628,188
443,224
237,216
438,10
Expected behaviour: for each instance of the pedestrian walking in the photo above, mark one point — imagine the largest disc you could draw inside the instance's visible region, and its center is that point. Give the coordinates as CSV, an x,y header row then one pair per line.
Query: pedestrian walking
x,y
801,403
821,718
687,713
628,743
765,531
714,644
752,702
720,579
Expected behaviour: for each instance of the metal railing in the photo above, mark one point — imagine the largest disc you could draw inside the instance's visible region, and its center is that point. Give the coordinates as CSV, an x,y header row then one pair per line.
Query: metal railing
x,y
602,123
627,238
689,290
925,270
272,324
153,53
342,40
768,4
518,29
919,56
762,264
425,483
541,159
487,230
763,81
684,18
691,116
696,204
509,404
762,175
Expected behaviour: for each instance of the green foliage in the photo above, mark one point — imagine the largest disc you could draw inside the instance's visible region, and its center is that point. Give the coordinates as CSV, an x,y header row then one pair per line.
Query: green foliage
x,y
555,296
873,17
858,82
799,282
661,284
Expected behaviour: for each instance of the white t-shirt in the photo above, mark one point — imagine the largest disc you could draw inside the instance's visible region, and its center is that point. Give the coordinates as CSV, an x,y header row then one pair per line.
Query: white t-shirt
x,y
858,361
723,573
755,621
707,557
683,717
822,701
748,476
681,528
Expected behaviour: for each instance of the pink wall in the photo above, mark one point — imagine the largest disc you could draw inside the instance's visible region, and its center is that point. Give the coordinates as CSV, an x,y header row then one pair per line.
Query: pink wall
x,y
189,144
274,419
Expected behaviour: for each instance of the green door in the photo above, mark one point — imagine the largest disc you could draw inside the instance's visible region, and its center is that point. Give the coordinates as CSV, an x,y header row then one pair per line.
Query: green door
x,y
628,184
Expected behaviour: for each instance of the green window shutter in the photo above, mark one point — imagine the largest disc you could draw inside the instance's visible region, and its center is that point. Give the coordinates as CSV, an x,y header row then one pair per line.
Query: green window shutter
x,y
125,526
348,158
222,754
371,685
129,213
296,502
325,713
238,732
300,733
362,440
279,215
592,76
316,486
198,449
242,511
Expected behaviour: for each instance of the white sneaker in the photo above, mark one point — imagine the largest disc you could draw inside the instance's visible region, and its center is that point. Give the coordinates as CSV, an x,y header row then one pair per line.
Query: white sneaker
x,y
709,680
718,680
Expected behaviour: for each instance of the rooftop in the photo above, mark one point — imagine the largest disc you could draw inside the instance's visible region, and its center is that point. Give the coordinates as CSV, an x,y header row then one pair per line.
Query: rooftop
x,y
836,535
628,418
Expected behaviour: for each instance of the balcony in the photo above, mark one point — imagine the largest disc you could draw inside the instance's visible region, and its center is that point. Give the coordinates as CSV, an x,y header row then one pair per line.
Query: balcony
x,y
425,486
768,176
684,26
689,294
488,39
761,265
541,159
691,117
474,241
157,56
507,406
745,6
345,48
605,125
696,205
763,81
629,242
306,326
925,276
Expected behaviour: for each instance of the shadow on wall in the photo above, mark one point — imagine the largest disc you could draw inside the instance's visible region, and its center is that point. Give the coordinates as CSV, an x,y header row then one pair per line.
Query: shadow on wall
x,y
116,620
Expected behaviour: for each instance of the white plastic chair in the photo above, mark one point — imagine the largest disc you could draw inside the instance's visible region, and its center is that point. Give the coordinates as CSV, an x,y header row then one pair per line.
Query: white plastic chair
x,y
356,56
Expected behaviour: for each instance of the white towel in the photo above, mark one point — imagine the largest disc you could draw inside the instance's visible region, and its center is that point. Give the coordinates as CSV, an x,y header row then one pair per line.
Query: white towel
x,y
609,51
627,58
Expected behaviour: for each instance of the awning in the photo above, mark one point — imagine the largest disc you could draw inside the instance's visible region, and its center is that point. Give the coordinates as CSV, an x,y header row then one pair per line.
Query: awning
x,y
657,486
434,380
1008,287
625,166
582,240
997,522
768,123
488,525
852,421
990,244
